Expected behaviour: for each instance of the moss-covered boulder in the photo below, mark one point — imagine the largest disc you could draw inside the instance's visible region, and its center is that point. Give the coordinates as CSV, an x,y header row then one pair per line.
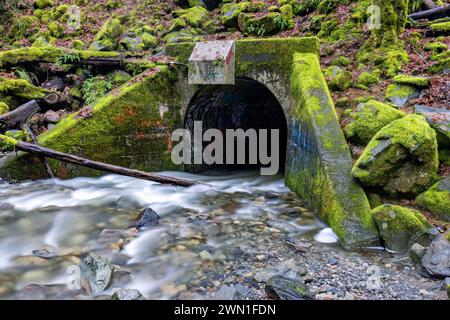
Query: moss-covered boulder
x,y
108,37
439,120
367,78
401,159
437,199
4,108
419,82
231,11
338,79
196,16
368,119
401,227
400,94
441,27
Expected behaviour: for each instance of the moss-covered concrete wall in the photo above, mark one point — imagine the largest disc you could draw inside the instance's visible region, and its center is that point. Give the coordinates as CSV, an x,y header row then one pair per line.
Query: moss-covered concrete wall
x,y
130,127
268,61
319,163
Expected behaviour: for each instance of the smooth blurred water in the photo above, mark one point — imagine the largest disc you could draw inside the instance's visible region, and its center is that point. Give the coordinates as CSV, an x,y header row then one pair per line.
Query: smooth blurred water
x,y
202,231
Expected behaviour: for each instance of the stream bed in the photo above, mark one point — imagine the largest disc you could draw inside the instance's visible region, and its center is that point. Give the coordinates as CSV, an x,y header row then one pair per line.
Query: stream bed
x,y
221,240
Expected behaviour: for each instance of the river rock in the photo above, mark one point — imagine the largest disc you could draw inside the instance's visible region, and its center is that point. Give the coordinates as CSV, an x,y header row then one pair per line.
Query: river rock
x,y
400,227
437,199
401,158
400,94
127,294
147,218
283,288
436,262
439,120
96,271
227,293
368,119
416,252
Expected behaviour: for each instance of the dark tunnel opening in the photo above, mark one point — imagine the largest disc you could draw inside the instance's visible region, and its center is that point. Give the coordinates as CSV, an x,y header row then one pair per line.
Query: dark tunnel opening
x,y
246,105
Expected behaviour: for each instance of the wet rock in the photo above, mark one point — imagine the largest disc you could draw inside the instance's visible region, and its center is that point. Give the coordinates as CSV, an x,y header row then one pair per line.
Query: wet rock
x,y
147,218
39,292
401,158
439,120
46,252
127,294
400,94
436,262
400,227
283,288
288,268
96,271
227,293
52,116
437,199
417,252
368,119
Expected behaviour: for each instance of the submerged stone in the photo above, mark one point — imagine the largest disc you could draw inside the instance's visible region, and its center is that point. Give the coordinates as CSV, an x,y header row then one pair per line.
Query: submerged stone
x,y
283,288
439,120
370,118
401,227
127,294
97,271
147,218
401,158
400,94
437,199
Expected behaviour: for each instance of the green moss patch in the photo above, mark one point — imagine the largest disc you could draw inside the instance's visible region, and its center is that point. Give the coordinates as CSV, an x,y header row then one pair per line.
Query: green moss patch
x,y
401,158
400,227
437,199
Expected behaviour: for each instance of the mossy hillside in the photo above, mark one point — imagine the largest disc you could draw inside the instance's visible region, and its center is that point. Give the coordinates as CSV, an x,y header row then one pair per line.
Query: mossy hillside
x,y
368,119
320,171
437,200
125,122
400,227
401,158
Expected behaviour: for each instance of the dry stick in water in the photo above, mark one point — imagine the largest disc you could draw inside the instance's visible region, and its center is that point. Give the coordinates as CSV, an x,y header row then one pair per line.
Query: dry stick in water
x,y
65,157
43,159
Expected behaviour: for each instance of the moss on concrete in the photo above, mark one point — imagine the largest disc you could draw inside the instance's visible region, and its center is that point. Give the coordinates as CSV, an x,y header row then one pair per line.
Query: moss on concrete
x,y
130,127
437,199
319,162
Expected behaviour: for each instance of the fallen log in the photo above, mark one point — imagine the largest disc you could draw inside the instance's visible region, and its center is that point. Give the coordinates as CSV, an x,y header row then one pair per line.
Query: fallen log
x,y
432,14
11,144
429,4
43,159
18,117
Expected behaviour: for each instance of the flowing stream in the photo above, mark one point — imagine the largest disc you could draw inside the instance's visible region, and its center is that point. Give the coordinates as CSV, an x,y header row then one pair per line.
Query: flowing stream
x,y
232,223
223,239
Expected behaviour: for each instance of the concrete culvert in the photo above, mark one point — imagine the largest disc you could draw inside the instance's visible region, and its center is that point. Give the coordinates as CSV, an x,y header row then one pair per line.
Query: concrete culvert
x,y
246,105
